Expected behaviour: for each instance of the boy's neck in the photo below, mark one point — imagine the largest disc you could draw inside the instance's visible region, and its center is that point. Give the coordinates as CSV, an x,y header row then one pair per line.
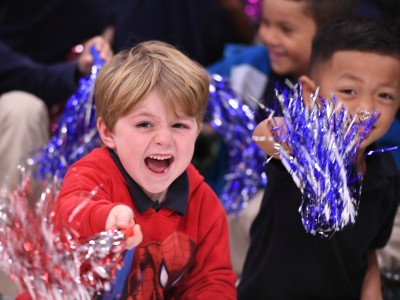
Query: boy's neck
x,y
361,164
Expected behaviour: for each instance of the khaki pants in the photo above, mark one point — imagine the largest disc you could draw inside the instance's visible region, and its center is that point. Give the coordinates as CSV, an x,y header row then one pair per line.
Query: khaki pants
x,y
24,127
389,256
8,288
239,232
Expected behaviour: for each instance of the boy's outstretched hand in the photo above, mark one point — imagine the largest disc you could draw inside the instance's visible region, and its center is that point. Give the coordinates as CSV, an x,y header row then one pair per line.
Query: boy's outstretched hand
x,y
121,217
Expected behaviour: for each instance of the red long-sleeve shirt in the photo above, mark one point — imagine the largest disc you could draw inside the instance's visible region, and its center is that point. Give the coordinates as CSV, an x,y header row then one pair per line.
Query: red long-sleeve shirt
x,y
181,257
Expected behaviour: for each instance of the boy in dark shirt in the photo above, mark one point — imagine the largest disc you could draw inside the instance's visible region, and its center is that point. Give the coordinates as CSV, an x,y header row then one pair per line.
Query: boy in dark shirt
x,y
285,35
359,62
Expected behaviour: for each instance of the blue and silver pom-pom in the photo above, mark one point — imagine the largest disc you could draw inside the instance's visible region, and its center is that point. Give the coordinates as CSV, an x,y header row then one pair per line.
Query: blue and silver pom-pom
x,y
324,140
76,133
235,121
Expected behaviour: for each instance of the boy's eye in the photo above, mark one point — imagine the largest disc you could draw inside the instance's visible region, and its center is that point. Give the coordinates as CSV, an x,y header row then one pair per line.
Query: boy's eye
x,y
143,125
180,125
348,91
287,30
386,96
265,22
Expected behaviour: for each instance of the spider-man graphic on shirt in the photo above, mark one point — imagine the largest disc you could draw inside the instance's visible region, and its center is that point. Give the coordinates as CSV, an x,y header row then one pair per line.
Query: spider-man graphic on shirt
x,y
157,267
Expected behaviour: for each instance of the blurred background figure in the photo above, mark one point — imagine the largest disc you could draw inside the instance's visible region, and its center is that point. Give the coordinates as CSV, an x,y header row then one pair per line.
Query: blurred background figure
x,y
199,28
39,70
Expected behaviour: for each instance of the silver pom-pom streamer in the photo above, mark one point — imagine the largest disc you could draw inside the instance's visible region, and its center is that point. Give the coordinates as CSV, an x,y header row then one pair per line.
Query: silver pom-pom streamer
x,y
324,140
48,262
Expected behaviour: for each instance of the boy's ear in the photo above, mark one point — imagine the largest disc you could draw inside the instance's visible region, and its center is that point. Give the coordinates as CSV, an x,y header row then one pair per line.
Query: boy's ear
x,y
105,134
201,126
309,87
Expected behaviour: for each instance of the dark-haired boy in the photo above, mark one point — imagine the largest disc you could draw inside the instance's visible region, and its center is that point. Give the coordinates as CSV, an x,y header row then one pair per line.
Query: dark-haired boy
x,y
359,62
285,32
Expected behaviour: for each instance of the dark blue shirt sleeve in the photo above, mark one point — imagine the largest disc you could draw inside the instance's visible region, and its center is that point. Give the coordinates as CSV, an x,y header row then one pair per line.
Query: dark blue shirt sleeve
x,y
52,83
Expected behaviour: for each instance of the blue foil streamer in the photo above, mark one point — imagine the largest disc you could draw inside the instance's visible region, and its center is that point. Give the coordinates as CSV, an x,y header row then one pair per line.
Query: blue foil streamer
x,y
75,134
235,122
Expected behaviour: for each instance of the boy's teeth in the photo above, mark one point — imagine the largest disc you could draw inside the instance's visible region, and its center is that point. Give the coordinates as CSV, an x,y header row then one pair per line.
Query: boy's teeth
x,y
159,157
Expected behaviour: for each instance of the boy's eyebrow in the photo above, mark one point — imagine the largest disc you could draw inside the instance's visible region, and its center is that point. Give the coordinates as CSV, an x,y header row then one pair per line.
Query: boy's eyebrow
x,y
141,114
147,114
351,77
279,22
286,24
392,83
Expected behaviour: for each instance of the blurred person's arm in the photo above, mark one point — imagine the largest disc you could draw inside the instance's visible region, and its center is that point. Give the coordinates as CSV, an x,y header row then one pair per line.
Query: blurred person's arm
x,y
52,83
371,287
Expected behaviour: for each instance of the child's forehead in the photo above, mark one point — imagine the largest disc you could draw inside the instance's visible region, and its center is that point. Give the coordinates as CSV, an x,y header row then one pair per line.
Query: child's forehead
x,y
286,7
360,61
156,103
289,12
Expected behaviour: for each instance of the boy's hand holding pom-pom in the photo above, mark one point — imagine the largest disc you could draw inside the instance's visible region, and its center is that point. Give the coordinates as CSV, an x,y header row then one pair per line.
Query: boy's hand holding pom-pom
x,y
318,142
121,218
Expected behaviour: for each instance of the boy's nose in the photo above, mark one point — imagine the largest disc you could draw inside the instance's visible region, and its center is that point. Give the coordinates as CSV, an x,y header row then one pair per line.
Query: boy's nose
x,y
163,137
268,36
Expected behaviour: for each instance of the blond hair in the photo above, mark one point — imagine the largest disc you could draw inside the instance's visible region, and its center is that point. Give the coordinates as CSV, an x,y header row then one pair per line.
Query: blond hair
x,y
152,66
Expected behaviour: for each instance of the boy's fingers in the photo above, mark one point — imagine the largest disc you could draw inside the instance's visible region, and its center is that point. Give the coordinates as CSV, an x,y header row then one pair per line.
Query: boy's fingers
x,y
124,218
119,217
111,221
136,239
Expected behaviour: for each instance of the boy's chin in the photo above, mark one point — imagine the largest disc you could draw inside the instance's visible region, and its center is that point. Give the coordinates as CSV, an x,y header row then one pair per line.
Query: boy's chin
x,y
366,143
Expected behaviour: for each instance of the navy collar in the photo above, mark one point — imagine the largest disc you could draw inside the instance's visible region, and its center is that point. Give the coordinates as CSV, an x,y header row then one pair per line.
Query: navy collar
x,y
380,167
176,198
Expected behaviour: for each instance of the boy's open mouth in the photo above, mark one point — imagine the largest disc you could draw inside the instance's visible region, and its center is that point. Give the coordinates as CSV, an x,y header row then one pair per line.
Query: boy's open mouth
x,y
158,163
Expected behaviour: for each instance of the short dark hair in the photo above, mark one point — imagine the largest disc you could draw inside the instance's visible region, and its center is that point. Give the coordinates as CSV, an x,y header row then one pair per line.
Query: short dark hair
x,y
353,34
326,11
